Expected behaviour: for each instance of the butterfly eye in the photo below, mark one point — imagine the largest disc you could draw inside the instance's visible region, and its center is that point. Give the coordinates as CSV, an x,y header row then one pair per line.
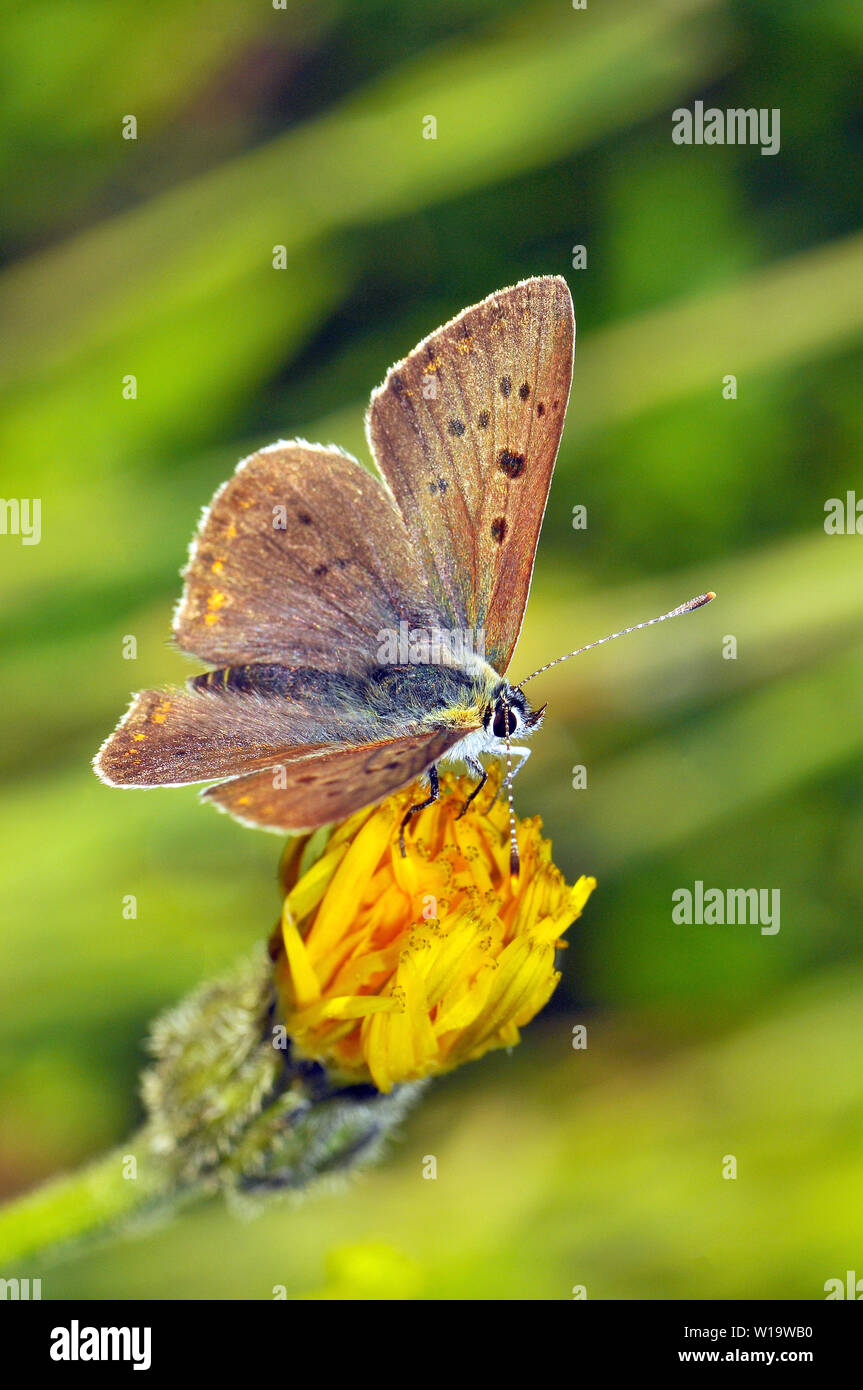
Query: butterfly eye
x,y
499,725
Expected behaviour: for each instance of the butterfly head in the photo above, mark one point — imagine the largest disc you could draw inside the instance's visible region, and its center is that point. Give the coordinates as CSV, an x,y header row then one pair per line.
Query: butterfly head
x,y
509,714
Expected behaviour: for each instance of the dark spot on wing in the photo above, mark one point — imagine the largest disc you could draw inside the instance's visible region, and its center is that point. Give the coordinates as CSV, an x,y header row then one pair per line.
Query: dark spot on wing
x,y
397,386
498,529
483,418
556,405
442,485
540,409
304,519
341,564
456,427
505,385
511,464
524,390
319,571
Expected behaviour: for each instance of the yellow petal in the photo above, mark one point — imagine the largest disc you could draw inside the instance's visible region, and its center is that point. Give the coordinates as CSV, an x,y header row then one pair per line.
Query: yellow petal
x,y
304,982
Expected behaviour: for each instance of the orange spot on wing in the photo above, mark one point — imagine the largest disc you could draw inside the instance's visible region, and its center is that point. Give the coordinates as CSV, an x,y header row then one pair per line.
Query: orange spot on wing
x,y
160,713
216,601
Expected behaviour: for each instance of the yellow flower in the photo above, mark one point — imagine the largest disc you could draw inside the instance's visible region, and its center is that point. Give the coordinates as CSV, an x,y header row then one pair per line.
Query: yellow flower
x,y
390,968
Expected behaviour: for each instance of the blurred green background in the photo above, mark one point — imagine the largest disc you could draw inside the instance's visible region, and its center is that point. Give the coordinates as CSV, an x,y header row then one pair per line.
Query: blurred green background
x,y
302,127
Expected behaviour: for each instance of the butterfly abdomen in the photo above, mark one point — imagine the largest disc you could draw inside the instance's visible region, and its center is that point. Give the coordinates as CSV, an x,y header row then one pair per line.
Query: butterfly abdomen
x,y
397,696
291,682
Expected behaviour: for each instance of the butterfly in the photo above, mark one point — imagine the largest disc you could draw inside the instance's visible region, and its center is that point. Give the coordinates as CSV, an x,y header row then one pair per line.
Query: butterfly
x,y
359,627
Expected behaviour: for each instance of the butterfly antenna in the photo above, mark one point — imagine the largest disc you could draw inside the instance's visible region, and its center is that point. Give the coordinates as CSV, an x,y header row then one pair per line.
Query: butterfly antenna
x,y
688,607
514,863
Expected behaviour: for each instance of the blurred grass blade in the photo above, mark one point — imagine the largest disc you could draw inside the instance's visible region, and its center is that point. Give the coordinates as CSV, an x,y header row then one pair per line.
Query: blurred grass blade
x,y
523,97
792,311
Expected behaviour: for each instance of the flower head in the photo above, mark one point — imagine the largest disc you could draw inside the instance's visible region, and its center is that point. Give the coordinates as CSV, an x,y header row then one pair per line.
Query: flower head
x,y
389,968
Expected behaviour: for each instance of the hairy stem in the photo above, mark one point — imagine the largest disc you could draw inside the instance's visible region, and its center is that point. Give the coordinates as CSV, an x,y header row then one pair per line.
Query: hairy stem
x,y
96,1200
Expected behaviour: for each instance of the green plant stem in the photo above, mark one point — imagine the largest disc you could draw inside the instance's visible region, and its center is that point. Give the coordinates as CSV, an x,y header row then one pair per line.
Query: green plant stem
x,y
90,1202
227,1111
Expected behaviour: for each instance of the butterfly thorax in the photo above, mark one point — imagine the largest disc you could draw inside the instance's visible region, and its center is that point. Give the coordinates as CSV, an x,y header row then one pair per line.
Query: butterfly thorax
x,y
474,700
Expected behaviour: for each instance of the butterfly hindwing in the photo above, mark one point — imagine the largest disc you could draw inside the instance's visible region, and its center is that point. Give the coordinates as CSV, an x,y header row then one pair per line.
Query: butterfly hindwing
x,y
314,791
465,431
300,559
246,718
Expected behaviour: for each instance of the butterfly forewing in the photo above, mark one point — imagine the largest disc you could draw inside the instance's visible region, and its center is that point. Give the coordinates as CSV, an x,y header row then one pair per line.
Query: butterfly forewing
x,y
172,737
301,559
466,430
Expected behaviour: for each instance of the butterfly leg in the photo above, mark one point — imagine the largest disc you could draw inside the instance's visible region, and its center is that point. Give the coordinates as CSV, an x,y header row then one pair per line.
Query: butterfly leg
x,y
478,771
434,789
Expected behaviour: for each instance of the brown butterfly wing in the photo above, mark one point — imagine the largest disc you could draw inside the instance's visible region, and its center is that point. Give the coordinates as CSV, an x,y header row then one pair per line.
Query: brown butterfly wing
x,y
173,737
332,785
466,430
300,559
